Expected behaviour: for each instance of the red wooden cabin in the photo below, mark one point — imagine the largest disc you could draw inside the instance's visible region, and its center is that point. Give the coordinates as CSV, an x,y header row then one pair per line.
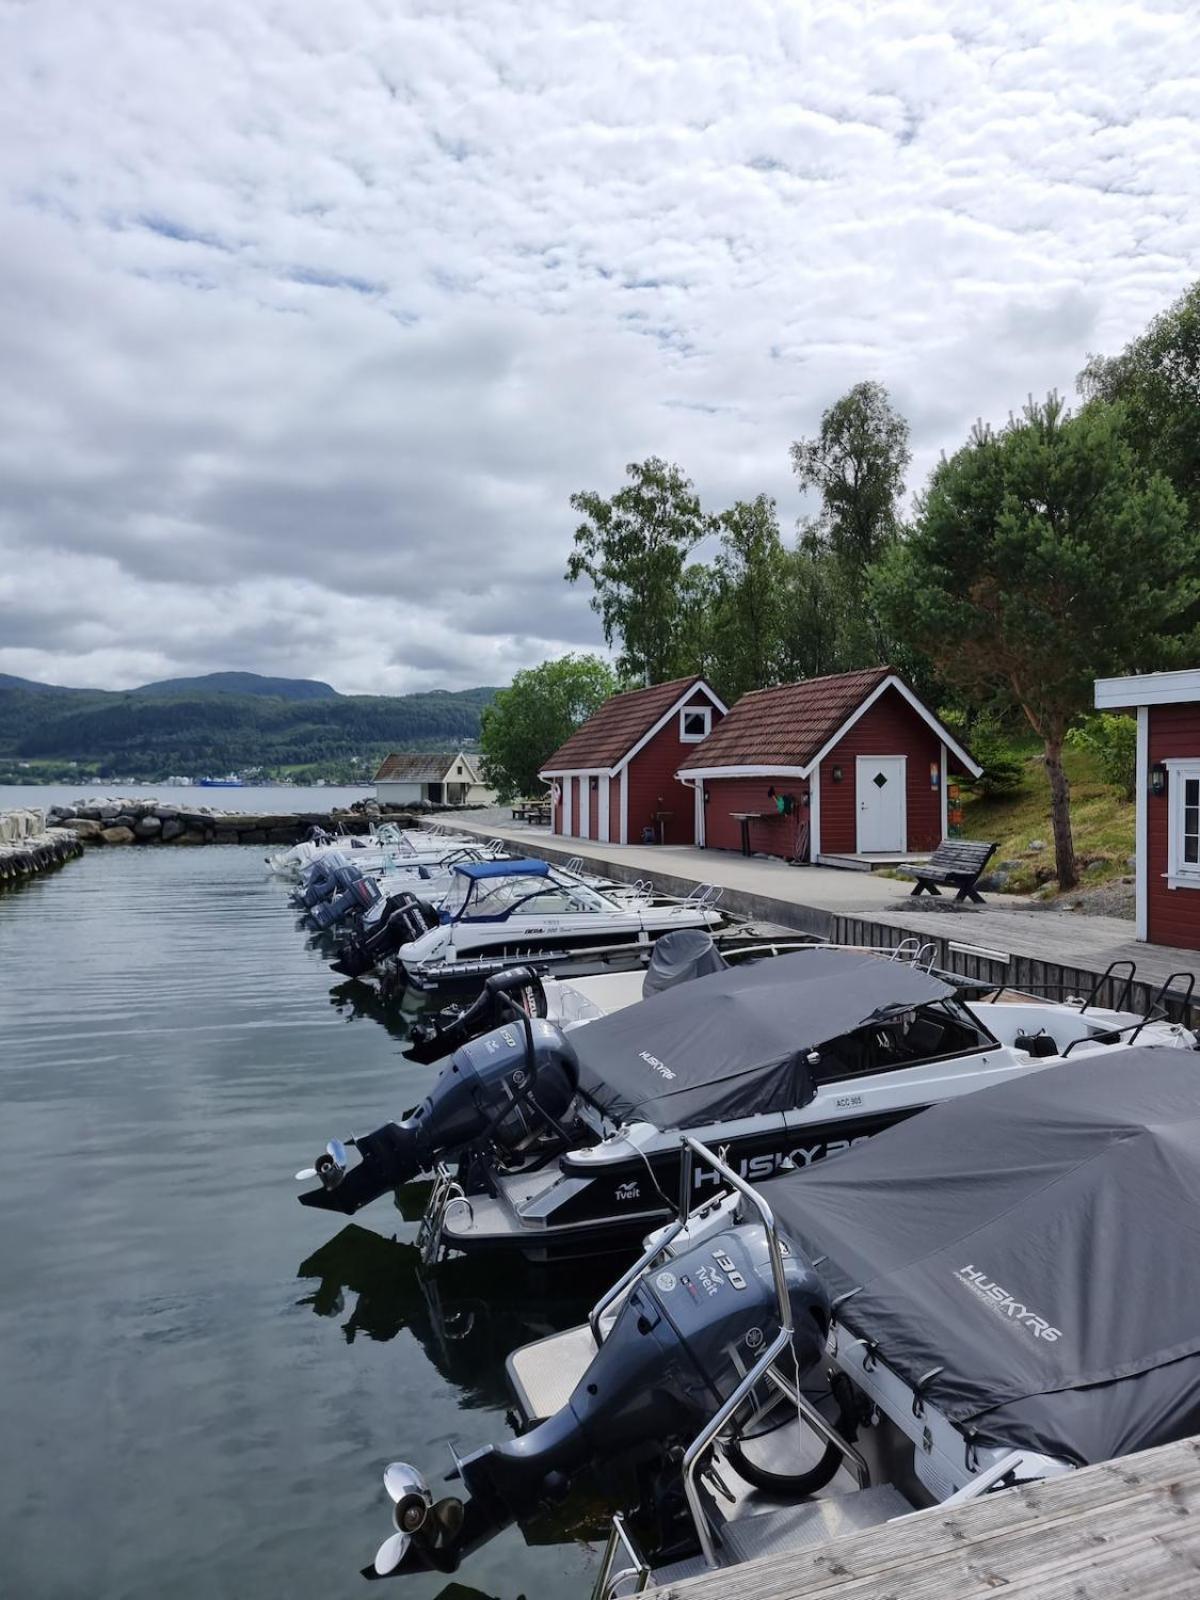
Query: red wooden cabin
x,y
853,764
615,776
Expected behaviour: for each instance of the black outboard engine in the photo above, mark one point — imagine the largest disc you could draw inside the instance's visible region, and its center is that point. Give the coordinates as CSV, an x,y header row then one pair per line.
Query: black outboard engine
x,y
320,882
681,956
517,988
511,1083
409,918
678,1349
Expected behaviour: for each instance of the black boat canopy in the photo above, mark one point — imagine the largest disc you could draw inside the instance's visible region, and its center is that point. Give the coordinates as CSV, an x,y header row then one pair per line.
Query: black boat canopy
x,y
735,1043
1034,1246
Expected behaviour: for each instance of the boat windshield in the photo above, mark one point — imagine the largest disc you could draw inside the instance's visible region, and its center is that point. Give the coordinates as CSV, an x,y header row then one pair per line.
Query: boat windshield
x,y
493,899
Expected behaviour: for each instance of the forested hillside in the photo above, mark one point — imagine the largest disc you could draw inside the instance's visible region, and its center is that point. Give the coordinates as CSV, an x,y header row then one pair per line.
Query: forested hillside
x,y
162,729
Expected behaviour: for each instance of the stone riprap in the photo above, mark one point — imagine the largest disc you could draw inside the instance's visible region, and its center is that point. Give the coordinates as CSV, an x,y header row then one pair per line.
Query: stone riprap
x,y
28,845
126,821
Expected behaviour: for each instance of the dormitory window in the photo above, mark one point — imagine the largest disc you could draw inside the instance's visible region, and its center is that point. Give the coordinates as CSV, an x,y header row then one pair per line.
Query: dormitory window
x,y
694,723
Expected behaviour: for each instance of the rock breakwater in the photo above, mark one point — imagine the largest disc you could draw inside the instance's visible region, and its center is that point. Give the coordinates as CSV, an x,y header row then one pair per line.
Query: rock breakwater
x,y
126,821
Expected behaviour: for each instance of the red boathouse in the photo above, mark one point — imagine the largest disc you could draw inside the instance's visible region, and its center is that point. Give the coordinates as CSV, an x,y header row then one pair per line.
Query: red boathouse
x,y
614,778
1167,826
854,764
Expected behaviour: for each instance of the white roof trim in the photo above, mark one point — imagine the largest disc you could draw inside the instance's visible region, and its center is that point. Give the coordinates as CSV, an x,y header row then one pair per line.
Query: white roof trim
x,y
922,710
678,706
611,772
1148,689
687,774
890,682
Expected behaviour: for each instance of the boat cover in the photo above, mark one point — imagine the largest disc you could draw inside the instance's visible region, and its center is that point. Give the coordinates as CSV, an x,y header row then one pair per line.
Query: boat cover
x,y
1031,1250
531,868
736,1043
681,956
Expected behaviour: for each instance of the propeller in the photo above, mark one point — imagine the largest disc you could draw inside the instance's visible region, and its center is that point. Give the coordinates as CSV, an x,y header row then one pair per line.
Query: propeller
x,y
330,1165
411,1505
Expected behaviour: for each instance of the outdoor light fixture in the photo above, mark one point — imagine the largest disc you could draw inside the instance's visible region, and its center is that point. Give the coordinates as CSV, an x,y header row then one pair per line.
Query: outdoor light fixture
x,y
1158,778
837,774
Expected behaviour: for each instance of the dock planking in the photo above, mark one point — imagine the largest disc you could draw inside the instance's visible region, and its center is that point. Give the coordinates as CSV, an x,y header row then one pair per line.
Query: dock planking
x,y
1126,1527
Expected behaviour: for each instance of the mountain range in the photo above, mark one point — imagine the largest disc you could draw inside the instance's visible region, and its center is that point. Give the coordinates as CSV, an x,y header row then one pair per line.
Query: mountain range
x,y
221,722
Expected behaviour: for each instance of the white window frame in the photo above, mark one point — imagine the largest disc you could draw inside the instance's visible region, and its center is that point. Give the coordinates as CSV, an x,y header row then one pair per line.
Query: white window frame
x,y
1180,874
694,711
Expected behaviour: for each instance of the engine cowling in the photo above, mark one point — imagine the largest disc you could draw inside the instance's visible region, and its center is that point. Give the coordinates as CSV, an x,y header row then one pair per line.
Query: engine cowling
x,y
678,1349
436,1036
500,1087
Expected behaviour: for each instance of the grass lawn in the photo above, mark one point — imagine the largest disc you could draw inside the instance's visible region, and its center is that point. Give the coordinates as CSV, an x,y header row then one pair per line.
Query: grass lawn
x,y
1101,818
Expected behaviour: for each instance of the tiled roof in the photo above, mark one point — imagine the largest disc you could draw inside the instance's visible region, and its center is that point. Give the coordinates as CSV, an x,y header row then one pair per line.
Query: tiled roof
x,y
618,725
786,725
416,767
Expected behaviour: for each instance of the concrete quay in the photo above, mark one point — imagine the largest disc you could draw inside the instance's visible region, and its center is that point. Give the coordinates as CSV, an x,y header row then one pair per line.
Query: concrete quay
x,y
1009,941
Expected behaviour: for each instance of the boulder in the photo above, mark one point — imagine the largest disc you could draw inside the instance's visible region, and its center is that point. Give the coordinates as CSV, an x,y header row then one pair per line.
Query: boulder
x,y
172,828
123,819
116,835
253,836
107,812
226,836
1035,845
147,827
194,836
166,813
82,828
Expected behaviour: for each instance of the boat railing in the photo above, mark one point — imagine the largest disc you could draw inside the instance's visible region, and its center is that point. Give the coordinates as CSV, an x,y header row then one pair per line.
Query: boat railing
x,y
705,896
637,1572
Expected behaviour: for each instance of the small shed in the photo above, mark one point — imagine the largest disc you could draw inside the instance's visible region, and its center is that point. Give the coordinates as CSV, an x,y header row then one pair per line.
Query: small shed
x,y
439,777
614,778
1167,818
852,765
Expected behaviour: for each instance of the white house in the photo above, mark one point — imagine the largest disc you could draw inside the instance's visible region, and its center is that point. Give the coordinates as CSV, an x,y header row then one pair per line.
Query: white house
x,y
440,778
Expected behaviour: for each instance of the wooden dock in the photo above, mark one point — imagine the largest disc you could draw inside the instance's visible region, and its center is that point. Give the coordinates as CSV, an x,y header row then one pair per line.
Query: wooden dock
x,y
1128,1527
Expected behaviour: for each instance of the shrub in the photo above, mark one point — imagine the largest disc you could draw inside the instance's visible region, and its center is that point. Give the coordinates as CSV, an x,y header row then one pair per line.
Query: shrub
x,y
1113,742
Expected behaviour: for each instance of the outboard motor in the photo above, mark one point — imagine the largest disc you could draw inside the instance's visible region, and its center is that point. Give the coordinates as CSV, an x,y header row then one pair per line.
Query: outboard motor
x,y
677,1350
408,920
319,882
503,1087
435,1037
679,957
360,894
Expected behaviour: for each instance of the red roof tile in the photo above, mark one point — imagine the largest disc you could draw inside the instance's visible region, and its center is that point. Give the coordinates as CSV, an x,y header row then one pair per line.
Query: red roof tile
x,y
612,732
786,725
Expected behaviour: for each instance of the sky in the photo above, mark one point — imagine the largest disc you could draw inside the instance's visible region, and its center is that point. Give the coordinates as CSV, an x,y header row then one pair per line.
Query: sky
x,y
313,315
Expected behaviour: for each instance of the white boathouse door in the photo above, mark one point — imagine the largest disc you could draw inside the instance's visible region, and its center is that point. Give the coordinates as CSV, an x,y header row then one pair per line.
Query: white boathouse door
x,y
882,812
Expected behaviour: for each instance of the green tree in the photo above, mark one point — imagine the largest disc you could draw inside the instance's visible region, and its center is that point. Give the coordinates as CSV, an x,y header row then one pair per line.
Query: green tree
x,y
1156,379
634,547
1042,557
527,722
856,463
748,602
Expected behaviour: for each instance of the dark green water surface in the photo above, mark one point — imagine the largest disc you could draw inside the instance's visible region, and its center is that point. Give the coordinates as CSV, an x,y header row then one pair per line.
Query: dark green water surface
x,y
200,1381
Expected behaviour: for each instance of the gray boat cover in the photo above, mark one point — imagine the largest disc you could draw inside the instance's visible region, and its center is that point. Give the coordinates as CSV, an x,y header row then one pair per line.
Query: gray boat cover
x,y
1034,1246
735,1043
679,957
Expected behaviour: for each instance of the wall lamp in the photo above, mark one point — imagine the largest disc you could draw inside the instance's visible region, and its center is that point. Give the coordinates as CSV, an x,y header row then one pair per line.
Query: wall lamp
x,y
1158,778
837,774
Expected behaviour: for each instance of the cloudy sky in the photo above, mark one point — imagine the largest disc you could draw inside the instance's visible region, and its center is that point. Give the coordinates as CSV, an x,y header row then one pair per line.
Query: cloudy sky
x,y
313,314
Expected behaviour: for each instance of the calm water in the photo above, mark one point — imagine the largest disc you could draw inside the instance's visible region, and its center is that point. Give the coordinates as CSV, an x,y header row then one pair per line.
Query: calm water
x,y
201,1381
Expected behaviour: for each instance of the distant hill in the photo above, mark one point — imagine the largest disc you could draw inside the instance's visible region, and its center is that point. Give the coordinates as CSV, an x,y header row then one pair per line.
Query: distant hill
x,y
243,683
197,726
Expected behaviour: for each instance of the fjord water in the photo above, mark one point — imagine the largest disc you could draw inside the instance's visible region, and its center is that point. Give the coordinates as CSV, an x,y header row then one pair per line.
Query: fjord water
x,y
200,1380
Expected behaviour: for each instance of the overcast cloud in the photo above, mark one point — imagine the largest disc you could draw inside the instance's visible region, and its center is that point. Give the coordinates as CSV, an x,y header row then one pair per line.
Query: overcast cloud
x,y
313,314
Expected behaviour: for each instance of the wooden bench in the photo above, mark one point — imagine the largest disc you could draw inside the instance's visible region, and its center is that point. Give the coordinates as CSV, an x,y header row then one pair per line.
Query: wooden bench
x,y
959,864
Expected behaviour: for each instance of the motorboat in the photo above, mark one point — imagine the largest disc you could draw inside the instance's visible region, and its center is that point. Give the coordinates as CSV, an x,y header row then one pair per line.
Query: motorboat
x,y
387,844
989,1297
551,1139
500,912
